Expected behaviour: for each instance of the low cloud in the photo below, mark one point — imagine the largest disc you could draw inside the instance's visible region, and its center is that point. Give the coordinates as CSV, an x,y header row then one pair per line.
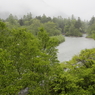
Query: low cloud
x,y
21,7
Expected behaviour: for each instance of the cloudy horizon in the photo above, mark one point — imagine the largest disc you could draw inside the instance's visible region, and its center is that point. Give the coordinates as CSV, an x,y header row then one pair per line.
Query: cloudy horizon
x,y
65,8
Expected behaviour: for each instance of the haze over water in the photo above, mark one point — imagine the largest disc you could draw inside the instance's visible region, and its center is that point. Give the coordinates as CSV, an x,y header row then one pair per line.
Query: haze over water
x,y
72,46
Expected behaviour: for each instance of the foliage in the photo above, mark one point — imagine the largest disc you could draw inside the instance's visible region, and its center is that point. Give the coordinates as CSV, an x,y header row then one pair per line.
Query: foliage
x,y
73,27
12,21
60,38
75,77
34,27
26,61
91,28
54,26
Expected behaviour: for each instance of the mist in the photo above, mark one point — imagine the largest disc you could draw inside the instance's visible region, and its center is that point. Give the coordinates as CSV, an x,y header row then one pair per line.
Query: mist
x,y
22,7
65,8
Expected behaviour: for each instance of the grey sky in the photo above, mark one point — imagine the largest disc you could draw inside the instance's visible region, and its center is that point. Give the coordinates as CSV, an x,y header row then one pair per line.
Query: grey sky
x,y
80,8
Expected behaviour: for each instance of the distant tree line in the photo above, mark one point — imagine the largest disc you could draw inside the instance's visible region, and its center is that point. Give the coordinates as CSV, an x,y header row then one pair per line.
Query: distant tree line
x,y
54,26
91,28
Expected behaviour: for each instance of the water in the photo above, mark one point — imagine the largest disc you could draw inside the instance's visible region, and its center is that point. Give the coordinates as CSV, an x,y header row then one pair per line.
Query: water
x,y
72,46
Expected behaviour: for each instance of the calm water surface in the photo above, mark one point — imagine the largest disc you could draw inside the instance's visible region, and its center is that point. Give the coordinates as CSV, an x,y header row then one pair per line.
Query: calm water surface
x,y
72,46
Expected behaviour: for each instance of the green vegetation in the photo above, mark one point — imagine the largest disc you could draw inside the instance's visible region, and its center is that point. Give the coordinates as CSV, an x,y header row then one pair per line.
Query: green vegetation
x,y
91,28
26,61
28,57
73,27
54,26
75,77
60,38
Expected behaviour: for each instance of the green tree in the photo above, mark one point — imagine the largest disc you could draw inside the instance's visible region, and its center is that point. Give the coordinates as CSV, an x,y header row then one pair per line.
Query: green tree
x,y
63,83
8,75
26,20
75,77
92,20
91,30
52,28
34,27
12,21
60,23
45,19
26,61
78,23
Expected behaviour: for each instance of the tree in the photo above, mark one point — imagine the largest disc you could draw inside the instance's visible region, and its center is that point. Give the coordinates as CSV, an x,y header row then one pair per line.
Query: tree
x,y
78,23
21,22
75,77
8,74
34,27
12,21
44,19
60,23
91,30
63,83
26,20
52,28
92,21
23,51
48,45
26,61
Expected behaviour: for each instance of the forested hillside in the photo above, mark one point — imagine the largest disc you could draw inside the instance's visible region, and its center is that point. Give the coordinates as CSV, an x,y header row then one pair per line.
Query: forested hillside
x,y
28,57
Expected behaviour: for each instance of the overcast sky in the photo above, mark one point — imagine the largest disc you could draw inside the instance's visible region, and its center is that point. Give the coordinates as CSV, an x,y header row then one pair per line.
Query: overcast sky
x,y
84,9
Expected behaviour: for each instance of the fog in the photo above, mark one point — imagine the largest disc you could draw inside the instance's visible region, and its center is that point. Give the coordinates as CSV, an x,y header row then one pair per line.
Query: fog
x,y
79,8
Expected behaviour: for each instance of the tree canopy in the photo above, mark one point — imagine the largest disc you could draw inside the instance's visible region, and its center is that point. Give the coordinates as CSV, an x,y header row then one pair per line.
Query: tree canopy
x,y
26,61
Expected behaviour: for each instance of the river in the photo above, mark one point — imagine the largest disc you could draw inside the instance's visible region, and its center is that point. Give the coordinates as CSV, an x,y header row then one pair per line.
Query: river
x,y
72,46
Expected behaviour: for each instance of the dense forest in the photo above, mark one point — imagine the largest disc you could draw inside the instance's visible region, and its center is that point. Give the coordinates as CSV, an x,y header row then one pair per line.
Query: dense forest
x,y
53,25
28,56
